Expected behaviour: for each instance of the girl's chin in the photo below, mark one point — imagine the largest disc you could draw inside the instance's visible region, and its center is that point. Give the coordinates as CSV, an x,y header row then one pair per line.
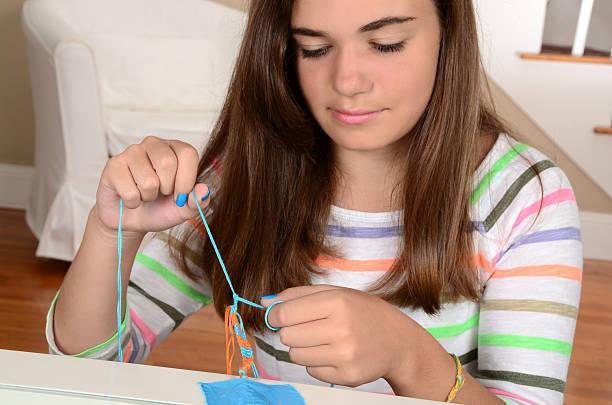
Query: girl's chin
x,y
360,145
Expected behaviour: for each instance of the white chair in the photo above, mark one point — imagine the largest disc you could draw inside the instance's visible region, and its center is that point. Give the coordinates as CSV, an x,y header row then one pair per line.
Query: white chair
x,y
106,73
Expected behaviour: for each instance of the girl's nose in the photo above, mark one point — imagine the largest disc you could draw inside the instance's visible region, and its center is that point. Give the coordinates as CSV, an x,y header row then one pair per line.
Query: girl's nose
x,y
349,77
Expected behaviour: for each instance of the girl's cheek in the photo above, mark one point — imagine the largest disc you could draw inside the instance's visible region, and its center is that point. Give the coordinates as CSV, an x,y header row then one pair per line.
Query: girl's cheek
x,y
308,82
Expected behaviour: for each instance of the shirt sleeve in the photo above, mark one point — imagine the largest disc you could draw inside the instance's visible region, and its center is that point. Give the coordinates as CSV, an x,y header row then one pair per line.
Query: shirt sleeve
x,y
530,301
159,297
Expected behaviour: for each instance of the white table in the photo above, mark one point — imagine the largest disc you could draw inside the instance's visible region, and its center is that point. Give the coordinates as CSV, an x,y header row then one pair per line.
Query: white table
x,y
32,378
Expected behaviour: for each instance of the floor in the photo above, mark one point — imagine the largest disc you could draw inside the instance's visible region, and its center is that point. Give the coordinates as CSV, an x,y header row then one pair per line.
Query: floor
x,y
27,285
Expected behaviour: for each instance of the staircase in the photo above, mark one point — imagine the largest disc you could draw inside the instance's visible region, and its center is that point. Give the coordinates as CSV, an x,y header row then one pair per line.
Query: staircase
x,y
568,96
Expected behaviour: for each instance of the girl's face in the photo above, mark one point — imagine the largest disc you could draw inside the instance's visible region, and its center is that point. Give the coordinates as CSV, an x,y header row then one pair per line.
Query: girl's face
x,y
366,67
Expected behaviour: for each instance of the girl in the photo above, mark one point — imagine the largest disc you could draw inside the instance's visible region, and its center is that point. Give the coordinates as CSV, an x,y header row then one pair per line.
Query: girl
x,y
357,171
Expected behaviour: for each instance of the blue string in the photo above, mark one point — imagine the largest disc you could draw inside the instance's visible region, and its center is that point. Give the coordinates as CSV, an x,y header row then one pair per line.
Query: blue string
x,y
272,328
243,351
119,289
236,297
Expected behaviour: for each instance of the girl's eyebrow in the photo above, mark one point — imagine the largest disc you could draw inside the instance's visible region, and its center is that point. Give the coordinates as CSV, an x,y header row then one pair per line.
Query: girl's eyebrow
x,y
372,26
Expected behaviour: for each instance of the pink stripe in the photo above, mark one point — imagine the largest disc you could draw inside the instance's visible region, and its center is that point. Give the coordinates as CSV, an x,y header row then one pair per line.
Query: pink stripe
x,y
497,391
565,194
146,332
264,374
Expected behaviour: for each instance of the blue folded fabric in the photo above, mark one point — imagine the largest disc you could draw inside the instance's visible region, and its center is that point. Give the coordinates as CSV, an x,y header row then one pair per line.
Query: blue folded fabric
x,y
241,391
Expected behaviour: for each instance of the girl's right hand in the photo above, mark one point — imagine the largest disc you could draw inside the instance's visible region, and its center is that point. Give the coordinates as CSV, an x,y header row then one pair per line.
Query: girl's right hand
x,y
155,180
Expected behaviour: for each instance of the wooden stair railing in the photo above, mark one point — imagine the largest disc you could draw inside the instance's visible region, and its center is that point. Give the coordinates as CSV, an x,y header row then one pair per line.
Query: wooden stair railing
x,y
600,60
603,130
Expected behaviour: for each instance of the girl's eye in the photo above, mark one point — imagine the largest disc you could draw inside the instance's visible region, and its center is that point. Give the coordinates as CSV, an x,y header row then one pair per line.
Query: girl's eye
x,y
386,48
314,53
383,48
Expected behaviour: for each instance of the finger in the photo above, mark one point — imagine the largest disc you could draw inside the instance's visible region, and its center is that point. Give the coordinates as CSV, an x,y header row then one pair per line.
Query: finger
x,y
142,171
164,163
326,374
186,172
301,310
119,178
203,193
317,356
297,292
308,334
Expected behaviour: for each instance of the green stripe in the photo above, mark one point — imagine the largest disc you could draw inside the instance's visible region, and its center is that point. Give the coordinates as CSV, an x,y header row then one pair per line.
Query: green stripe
x,y
169,310
109,342
549,307
522,379
279,355
513,191
439,332
497,167
102,346
526,342
172,279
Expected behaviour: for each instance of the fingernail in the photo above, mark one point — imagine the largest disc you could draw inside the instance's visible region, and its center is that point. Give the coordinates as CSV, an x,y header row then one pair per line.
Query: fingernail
x,y
207,195
181,199
269,297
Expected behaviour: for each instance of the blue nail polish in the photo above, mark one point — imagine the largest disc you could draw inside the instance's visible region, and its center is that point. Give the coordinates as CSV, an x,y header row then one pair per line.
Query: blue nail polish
x,y
181,199
207,195
269,297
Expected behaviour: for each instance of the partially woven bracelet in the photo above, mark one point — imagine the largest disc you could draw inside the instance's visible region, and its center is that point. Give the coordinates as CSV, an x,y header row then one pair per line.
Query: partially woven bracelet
x,y
459,380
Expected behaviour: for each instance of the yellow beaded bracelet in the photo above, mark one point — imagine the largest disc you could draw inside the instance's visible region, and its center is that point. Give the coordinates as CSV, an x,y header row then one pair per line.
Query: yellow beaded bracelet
x,y
458,380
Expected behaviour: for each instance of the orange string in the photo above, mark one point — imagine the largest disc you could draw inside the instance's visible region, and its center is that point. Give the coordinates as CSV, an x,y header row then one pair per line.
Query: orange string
x,y
231,320
229,342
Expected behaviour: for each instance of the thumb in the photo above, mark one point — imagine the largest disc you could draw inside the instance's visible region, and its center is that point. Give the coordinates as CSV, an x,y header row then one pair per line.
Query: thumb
x,y
296,292
203,194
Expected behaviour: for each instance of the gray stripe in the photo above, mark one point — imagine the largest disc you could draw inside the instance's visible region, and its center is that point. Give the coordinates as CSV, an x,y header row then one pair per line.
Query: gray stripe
x,y
522,379
169,310
514,190
364,233
279,355
549,307
469,357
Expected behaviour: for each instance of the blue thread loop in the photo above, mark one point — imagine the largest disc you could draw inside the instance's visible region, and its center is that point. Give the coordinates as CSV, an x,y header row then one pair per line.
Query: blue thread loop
x,y
272,328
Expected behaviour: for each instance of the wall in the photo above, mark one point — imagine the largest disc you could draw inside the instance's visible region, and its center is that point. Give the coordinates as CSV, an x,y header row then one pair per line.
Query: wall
x,y
16,115
590,197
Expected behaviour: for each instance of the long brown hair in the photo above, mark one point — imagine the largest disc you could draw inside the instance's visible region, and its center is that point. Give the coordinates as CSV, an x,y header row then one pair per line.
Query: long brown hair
x,y
271,208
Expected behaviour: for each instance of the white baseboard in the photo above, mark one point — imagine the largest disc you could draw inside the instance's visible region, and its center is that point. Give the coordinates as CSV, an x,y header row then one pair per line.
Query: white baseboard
x,y
596,235
15,185
16,181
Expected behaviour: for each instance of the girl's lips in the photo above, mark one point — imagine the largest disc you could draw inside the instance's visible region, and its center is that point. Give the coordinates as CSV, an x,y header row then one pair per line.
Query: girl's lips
x,y
355,118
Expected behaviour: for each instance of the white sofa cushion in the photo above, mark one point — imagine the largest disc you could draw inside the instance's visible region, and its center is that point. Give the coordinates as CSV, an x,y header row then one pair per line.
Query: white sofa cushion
x,y
168,74
127,127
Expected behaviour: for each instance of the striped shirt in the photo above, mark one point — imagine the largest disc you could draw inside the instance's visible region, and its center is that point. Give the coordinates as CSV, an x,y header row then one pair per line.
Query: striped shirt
x,y
516,340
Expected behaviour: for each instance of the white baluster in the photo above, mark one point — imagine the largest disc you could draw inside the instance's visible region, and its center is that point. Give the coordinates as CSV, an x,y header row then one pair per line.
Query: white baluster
x,y
584,20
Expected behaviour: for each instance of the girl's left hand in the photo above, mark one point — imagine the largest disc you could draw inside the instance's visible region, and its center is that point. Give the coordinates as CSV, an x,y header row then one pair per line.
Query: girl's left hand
x,y
345,336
